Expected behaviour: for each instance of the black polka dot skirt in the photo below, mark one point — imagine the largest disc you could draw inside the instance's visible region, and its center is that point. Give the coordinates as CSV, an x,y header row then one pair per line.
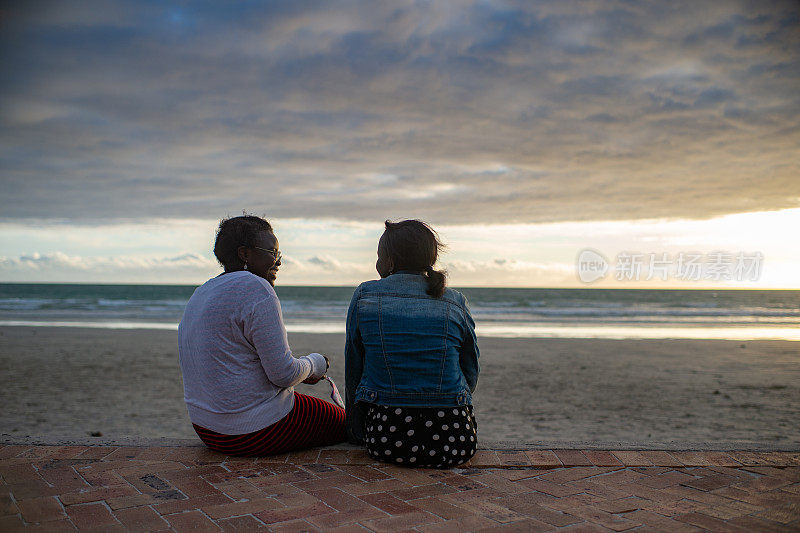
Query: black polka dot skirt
x,y
438,437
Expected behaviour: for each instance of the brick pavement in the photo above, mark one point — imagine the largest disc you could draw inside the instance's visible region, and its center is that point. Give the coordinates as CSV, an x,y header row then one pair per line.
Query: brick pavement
x,y
109,488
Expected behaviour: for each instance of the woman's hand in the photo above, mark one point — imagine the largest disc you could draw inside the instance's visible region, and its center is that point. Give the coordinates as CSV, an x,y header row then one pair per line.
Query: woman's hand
x,y
311,380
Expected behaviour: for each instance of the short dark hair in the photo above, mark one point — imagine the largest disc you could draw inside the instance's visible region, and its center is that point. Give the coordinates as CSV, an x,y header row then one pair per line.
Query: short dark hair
x,y
235,232
413,245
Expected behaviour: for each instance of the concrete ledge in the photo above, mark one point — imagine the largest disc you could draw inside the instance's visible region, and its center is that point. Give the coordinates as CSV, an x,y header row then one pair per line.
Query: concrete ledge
x,y
60,440
189,488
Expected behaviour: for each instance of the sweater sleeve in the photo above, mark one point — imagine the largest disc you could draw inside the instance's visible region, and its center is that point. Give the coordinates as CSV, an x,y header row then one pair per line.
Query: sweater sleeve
x,y
266,331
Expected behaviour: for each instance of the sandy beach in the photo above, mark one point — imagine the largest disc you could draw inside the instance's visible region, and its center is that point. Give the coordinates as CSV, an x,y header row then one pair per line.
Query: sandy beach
x,y
75,381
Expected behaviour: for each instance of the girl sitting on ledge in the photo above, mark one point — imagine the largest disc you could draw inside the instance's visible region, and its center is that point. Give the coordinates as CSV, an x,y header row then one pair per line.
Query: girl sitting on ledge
x,y
411,357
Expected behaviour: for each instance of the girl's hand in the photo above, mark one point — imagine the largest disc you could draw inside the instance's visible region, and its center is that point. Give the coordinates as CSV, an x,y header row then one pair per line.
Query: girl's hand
x,y
311,380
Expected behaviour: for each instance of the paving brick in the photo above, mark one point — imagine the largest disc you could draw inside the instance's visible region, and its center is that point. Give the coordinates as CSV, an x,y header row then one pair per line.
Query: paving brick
x,y
102,479
660,522
337,499
411,476
389,504
384,485
494,481
618,476
585,527
661,458
17,473
7,505
199,455
134,500
763,484
41,509
527,525
97,494
709,482
329,482
753,523
601,458
191,472
689,458
365,473
91,516
572,458
333,457
467,523
473,482
396,523
539,512
623,505
547,487
13,450
513,458
293,513
333,520
240,508
294,476
141,519
179,506
441,508
492,510
484,458
608,520
196,487
423,491
64,479
96,452
785,515
631,458
565,475
543,458
304,457
518,502
242,524
32,488
511,474
13,523
359,457
296,526
192,521
709,522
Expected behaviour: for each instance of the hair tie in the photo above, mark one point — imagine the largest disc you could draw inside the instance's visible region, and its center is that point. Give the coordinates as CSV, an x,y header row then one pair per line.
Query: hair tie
x,y
429,269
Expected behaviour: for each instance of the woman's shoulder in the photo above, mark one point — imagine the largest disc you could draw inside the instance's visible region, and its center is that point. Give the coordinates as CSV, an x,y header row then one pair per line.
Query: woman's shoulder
x,y
455,297
245,285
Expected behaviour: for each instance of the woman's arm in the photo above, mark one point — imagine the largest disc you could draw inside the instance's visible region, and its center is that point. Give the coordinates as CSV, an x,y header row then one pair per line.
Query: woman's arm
x,y
266,331
353,369
468,357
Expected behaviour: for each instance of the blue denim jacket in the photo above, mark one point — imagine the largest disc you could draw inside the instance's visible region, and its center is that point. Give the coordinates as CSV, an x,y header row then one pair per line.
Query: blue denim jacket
x,y
406,348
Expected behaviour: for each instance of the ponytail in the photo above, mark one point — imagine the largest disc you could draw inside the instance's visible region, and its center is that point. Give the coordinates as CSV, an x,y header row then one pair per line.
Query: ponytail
x,y
437,280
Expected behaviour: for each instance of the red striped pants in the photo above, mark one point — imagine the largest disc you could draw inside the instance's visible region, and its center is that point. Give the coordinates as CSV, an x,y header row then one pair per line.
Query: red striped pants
x,y
311,422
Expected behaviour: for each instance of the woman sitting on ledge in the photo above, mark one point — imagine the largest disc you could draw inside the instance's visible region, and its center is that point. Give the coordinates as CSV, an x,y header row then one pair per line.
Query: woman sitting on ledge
x,y
238,371
411,357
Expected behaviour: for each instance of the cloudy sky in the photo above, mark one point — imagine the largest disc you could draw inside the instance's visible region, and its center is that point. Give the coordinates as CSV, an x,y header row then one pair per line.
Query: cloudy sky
x,y
523,131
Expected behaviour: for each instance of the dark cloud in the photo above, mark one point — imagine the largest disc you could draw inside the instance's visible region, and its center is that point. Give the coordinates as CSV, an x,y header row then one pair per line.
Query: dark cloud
x,y
456,112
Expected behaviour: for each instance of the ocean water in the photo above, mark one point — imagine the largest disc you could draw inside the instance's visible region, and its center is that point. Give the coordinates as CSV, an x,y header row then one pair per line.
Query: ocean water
x,y
578,313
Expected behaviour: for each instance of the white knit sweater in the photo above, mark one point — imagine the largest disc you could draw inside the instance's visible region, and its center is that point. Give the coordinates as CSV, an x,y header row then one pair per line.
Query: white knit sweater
x,y
238,370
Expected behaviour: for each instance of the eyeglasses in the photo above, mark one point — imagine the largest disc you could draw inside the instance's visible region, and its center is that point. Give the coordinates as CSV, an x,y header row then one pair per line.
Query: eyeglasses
x,y
274,253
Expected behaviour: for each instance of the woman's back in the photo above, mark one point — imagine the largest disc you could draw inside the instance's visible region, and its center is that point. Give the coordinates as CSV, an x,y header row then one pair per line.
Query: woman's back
x,y
414,343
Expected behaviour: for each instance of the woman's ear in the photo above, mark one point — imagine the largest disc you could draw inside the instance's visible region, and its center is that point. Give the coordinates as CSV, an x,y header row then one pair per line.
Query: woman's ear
x,y
243,253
